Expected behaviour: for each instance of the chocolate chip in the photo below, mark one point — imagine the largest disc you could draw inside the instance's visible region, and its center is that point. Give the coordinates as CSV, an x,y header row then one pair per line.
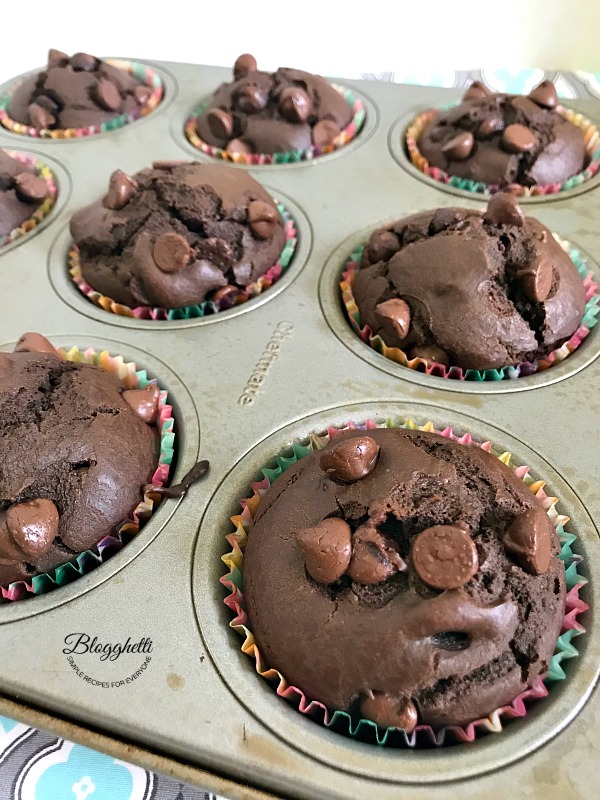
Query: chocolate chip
x,y
503,209
325,132
39,118
529,537
35,343
225,296
121,188
56,58
445,218
476,91
30,188
545,95
374,557
327,549
351,459
167,165
536,279
143,402
459,147
394,315
220,123
106,94
142,94
243,65
489,127
430,353
171,252
84,62
444,557
389,711
33,525
250,99
518,139
295,105
239,147
263,219
382,246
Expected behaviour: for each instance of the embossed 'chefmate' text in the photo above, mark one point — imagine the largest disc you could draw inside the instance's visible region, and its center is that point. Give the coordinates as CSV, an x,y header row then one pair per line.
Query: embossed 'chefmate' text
x,y
270,354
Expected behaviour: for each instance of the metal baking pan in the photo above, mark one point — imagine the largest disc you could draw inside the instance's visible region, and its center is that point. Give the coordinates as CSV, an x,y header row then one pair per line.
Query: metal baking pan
x,y
197,710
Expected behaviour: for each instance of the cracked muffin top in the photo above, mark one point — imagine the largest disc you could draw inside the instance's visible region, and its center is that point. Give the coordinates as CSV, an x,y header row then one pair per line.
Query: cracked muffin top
x,y
173,235
404,578
76,449
76,92
280,112
502,139
479,290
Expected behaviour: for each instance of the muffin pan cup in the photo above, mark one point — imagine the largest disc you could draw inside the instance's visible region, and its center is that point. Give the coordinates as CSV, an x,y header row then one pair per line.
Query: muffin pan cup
x,y
245,384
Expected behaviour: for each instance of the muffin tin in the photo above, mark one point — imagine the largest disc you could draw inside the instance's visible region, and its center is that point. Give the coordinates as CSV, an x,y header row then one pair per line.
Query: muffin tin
x,y
197,710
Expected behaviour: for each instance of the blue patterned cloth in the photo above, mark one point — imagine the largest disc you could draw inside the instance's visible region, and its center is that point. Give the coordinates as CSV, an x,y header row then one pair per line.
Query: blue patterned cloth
x,y
37,766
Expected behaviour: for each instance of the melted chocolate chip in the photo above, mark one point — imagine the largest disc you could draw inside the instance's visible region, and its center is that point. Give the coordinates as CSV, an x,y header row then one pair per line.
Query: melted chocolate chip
x,y
295,105
489,127
143,402
180,489
56,58
263,219
33,526
220,123
106,94
529,537
84,62
244,64
460,147
476,91
445,557
30,188
121,188
503,209
39,118
389,711
351,459
374,556
327,549
536,279
171,252
518,139
382,246
394,314
250,99
545,95
35,343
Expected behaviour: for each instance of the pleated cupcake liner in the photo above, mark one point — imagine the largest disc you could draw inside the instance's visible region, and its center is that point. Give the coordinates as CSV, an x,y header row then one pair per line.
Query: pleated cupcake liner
x,y
45,173
124,532
207,307
364,729
290,156
592,149
141,72
365,334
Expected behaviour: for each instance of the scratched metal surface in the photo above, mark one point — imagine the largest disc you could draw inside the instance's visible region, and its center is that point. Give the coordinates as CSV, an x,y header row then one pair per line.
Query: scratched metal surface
x,y
244,384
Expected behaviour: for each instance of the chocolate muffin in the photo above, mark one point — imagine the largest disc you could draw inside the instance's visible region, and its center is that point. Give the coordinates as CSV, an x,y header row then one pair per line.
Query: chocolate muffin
x,y
76,92
285,111
479,290
404,578
501,139
174,235
76,449
21,193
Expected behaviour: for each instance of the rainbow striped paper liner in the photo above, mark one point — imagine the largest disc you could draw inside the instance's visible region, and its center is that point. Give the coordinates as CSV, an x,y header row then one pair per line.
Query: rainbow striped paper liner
x,y
271,276
591,138
144,74
290,156
45,173
364,332
364,729
123,533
